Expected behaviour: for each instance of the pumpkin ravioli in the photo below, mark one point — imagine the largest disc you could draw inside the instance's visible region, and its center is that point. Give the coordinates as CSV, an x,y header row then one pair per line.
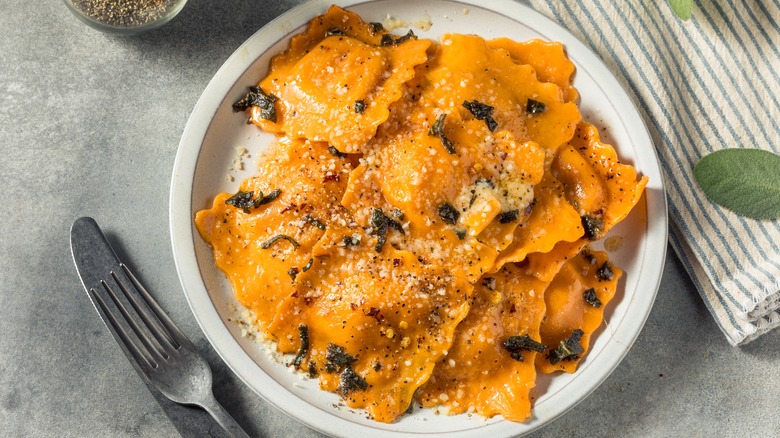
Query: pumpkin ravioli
x,y
479,373
336,81
575,301
307,178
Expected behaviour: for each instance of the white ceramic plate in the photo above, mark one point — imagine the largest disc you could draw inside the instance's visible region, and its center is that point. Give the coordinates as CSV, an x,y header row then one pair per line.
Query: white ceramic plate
x,y
207,151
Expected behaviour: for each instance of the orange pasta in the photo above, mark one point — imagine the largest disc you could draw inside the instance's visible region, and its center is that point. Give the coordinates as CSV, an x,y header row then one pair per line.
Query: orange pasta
x,y
308,178
575,302
419,230
395,316
479,372
329,73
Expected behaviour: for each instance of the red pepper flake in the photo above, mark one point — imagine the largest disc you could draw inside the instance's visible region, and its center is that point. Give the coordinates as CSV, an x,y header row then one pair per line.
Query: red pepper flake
x,y
331,177
289,207
376,313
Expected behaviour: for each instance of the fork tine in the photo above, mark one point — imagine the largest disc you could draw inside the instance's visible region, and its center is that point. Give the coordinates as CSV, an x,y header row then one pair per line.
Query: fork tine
x,y
174,334
134,292
142,357
140,328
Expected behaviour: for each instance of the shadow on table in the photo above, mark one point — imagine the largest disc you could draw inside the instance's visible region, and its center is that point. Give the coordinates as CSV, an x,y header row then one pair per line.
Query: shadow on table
x,y
765,347
208,30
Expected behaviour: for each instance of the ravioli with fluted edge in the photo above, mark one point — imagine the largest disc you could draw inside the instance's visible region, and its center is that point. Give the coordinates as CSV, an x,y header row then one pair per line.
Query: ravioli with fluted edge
x,y
420,231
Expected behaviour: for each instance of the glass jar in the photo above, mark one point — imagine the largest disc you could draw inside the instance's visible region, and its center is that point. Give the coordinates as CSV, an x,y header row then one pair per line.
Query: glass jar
x,y
125,17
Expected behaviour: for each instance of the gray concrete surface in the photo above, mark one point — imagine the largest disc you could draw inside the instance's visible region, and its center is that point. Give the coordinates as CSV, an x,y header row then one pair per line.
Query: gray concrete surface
x,y
89,125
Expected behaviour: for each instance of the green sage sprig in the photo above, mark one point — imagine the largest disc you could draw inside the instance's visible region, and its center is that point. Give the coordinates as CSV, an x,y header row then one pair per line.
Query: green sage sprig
x,y
744,180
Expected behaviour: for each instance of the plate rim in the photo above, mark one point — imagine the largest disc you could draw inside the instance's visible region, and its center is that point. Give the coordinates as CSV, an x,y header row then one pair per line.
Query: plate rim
x,y
214,328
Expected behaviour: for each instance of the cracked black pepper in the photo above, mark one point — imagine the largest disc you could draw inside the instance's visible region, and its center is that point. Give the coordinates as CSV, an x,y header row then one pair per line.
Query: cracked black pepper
x,y
124,13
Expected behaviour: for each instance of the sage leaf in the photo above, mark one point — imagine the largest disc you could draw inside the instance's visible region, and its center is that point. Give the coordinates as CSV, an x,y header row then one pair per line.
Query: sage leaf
x,y
682,8
746,181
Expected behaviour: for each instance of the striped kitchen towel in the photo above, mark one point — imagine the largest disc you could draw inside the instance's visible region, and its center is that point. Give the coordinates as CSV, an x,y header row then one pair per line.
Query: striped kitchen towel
x,y
709,83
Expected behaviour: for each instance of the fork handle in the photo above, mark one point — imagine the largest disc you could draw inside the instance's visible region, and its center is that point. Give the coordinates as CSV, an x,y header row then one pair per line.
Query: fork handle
x,y
212,406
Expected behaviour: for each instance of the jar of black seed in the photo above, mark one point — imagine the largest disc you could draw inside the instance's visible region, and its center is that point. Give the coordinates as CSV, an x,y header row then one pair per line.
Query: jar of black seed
x,y
125,17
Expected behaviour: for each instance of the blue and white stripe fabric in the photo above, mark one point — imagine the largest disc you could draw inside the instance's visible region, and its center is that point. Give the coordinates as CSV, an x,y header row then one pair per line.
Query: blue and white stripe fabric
x,y
701,85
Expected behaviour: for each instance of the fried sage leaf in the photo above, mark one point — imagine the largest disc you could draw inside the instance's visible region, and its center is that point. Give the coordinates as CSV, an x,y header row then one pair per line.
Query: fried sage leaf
x,y
257,97
482,111
515,345
568,349
438,129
